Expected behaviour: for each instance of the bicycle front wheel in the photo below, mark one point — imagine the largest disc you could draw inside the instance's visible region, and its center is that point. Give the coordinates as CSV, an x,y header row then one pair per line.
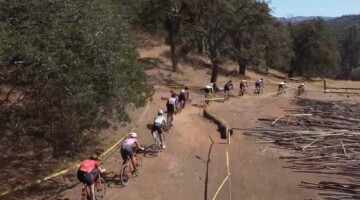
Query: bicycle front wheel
x,y
100,189
296,94
138,164
125,174
304,93
157,146
170,121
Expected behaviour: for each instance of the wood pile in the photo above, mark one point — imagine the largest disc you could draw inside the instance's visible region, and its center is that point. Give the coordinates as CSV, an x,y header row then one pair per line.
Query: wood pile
x,y
327,142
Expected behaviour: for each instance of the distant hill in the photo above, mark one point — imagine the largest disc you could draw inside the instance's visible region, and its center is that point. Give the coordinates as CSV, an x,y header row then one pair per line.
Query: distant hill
x,y
298,19
339,24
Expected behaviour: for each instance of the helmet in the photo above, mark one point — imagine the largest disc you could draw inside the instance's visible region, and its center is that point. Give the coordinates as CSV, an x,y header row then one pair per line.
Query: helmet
x,y
94,157
261,79
133,135
182,90
160,112
230,81
173,95
186,88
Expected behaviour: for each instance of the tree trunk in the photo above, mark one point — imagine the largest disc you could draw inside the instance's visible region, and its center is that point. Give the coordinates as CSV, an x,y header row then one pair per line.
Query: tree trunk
x,y
172,47
291,73
242,66
200,46
214,55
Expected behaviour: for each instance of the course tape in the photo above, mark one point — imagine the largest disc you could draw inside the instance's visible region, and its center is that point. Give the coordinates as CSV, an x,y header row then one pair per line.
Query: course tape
x,y
227,178
73,166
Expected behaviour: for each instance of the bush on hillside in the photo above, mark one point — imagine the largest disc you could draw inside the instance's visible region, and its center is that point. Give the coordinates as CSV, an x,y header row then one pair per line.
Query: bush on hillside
x,y
355,74
72,66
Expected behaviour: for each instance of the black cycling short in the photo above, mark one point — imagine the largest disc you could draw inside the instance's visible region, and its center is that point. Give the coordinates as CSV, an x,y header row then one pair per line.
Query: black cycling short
x,y
207,90
157,127
242,85
170,108
182,97
257,85
85,177
226,88
126,152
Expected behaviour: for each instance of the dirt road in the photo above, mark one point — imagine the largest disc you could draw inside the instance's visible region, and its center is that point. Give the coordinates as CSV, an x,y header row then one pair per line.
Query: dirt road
x,y
180,170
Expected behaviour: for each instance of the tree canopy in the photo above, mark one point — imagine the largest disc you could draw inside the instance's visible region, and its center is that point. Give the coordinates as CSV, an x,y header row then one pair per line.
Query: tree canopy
x,y
72,67
315,49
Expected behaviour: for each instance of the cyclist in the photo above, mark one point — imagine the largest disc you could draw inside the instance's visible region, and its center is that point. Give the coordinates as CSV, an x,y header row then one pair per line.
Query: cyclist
x,y
159,123
228,86
282,85
259,84
127,149
243,83
183,96
177,102
301,87
85,173
170,105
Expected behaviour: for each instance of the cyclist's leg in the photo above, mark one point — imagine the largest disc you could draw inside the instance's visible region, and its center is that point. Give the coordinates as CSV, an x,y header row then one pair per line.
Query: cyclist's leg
x,y
88,180
162,140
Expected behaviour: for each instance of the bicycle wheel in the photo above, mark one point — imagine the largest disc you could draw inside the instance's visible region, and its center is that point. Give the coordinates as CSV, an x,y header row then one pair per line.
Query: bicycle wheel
x,y
296,94
85,193
226,96
157,146
125,174
138,164
304,93
170,121
100,188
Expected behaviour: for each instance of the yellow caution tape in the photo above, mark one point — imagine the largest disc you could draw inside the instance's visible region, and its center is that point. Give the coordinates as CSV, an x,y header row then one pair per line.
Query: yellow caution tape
x,y
218,190
73,165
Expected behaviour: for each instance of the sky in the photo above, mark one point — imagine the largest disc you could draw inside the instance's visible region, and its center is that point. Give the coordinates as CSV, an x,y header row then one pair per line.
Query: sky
x,y
326,8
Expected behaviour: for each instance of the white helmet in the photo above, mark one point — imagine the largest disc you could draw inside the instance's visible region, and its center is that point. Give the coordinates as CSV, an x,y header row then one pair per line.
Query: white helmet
x,y
133,135
160,112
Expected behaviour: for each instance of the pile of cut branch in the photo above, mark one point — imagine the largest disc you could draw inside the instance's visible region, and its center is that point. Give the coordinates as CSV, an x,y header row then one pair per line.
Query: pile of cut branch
x,y
325,140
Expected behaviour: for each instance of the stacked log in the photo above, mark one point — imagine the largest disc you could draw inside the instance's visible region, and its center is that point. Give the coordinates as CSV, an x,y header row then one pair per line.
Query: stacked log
x,y
326,142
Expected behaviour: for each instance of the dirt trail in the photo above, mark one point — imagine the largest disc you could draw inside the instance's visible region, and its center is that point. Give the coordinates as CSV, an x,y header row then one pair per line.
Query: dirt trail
x,y
180,170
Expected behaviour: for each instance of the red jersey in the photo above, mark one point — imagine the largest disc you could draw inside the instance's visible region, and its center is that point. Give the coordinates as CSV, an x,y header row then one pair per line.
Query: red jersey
x,y
88,165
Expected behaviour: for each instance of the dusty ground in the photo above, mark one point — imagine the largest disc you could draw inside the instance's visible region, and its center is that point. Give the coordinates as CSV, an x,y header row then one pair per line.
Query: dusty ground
x,y
181,170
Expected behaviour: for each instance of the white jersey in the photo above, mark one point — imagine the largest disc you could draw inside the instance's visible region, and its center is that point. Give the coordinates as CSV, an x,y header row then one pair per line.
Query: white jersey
x,y
282,83
159,119
172,100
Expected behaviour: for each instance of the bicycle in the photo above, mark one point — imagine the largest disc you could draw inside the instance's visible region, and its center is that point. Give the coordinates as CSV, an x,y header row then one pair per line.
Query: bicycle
x,y
127,170
258,90
180,106
300,92
208,96
281,91
100,187
158,143
243,92
170,119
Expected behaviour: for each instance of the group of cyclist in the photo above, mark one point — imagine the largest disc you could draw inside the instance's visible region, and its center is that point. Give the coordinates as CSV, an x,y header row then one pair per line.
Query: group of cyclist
x,y
176,102
282,86
210,89
259,86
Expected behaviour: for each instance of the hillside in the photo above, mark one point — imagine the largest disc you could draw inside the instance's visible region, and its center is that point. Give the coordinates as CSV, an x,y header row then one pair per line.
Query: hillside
x,y
339,24
299,19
